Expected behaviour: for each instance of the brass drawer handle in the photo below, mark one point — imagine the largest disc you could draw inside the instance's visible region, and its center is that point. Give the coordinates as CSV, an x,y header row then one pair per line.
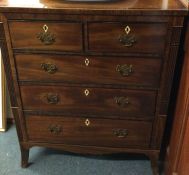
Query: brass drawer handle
x,y
125,70
48,67
46,37
52,98
127,39
55,129
87,122
121,133
122,101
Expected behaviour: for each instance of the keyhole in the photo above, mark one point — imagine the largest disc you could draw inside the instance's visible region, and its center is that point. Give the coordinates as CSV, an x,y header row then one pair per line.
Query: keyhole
x,y
86,92
45,28
87,62
127,30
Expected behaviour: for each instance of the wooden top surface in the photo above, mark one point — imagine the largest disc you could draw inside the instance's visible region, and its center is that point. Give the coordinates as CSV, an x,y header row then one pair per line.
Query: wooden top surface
x,y
163,6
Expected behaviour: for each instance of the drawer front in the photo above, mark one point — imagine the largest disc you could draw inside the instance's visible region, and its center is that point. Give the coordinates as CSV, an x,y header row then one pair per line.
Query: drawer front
x,y
48,36
93,132
91,101
128,37
91,69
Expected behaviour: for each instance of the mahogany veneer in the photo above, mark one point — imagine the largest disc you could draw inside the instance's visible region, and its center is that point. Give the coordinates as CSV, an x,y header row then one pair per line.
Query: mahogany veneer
x,y
68,35
101,132
91,78
100,70
99,100
104,37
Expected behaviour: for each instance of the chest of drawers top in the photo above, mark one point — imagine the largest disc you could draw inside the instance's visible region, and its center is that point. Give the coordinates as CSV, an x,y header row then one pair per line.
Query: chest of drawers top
x,y
132,7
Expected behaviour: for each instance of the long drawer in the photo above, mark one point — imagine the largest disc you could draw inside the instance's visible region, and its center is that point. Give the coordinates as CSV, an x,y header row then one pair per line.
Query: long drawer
x,y
91,69
64,36
127,37
89,101
83,131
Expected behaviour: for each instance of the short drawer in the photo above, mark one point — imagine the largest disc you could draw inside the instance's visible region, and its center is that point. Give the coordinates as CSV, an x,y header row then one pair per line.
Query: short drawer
x,y
89,101
46,35
127,37
91,132
90,69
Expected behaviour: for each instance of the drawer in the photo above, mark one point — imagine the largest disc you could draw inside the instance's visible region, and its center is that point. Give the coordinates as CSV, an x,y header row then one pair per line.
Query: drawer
x,y
91,132
91,69
46,35
89,101
128,37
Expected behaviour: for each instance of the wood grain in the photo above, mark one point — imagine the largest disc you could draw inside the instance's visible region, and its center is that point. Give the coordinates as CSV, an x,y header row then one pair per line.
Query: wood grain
x,y
99,132
100,101
68,36
100,70
105,37
123,7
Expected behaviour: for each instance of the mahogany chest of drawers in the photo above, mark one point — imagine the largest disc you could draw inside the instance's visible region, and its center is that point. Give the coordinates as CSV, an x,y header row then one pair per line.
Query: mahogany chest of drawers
x,y
90,78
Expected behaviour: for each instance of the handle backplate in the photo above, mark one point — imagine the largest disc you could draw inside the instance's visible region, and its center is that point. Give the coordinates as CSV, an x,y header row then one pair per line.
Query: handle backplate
x,y
55,129
46,37
52,98
122,101
121,133
49,67
125,70
127,39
